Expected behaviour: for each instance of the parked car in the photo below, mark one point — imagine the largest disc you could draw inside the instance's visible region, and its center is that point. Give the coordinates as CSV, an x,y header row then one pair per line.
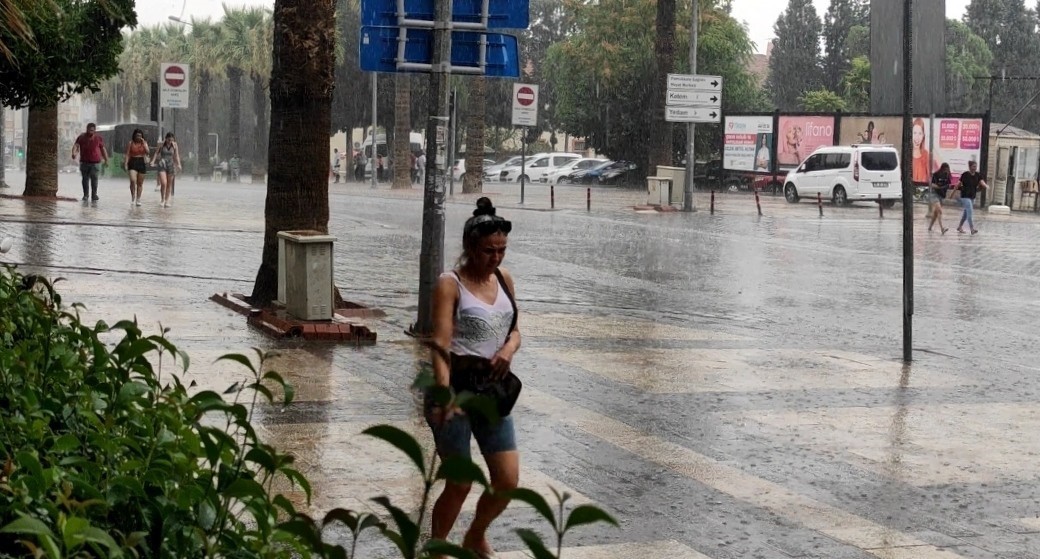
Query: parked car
x,y
847,173
458,169
587,176
559,176
538,166
491,172
621,173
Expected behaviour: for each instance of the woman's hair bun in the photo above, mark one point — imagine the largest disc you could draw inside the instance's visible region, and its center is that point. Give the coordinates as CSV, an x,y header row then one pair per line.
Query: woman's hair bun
x,y
484,207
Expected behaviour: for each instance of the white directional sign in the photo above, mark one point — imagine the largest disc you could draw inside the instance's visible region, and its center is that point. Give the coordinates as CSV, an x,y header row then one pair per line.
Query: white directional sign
x,y
174,92
694,81
694,98
525,104
693,114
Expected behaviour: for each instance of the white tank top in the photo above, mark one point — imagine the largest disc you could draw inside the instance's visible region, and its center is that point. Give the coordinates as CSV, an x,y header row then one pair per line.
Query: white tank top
x,y
480,329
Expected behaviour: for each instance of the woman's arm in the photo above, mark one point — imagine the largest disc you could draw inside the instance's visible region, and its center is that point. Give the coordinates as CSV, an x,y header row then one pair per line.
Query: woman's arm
x,y
126,157
512,344
444,298
177,155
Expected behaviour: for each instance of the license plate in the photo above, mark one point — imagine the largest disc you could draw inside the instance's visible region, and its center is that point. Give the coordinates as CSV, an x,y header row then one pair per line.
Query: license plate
x,y
880,185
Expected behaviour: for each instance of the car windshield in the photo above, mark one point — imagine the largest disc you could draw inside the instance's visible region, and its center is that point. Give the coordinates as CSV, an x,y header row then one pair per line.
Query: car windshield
x,y
879,160
603,165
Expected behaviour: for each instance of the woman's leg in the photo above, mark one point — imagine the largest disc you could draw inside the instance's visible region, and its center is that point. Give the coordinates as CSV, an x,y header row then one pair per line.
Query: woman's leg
x,y
171,179
504,468
964,214
140,185
133,185
163,185
932,215
969,211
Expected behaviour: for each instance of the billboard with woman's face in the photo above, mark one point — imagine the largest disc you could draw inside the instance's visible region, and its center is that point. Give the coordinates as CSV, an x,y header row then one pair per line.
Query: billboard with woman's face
x,y
747,142
800,136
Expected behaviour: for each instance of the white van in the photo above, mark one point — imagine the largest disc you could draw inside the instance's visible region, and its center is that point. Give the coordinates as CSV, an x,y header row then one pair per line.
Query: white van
x,y
415,140
538,166
844,174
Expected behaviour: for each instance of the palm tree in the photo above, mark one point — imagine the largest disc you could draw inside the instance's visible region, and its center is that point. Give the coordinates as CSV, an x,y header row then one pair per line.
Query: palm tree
x,y
664,48
239,25
203,55
302,81
402,126
259,66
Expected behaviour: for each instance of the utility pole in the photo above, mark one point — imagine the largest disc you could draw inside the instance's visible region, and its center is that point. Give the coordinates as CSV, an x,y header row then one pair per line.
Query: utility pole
x,y
908,185
431,256
691,128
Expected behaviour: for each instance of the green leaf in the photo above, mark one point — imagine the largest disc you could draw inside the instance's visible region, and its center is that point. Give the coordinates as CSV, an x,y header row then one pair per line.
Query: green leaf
x,y
460,469
240,359
261,457
403,441
534,543
408,536
441,547
245,489
28,525
587,514
535,500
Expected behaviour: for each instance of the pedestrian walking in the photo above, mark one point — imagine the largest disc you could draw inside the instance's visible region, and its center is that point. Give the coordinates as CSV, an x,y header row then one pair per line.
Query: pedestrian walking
x,y
89,149
360,162
335,164
474,315
136,164
941,180
971,182
168,160
379,168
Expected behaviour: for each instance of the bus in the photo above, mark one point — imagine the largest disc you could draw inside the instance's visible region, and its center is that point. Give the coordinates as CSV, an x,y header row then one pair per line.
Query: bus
x,y
117,136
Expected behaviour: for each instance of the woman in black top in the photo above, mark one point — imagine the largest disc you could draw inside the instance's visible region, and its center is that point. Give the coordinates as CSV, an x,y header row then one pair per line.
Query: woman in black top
x,y
940,185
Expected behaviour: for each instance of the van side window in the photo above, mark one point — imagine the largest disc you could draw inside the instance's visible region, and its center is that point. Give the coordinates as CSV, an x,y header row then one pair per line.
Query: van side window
x,y
814,163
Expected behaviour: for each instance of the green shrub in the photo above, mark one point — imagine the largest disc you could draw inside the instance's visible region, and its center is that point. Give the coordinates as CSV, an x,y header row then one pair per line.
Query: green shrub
x,y
104,455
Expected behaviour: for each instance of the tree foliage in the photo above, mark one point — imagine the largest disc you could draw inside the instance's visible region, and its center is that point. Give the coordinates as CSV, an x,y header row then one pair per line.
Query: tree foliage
x,y
841,17
1009,30
855,85
821,101
794,67
967,57
76,46
603,70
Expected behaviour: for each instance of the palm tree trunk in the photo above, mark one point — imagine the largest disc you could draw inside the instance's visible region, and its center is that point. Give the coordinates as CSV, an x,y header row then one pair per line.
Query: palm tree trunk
x,y
301,87
234,119
472,179
205,167
260,134
664,48
3,148
41,159
402,127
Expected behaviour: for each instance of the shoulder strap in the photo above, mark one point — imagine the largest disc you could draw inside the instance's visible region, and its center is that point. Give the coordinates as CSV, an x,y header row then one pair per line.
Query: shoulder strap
x,y
512,301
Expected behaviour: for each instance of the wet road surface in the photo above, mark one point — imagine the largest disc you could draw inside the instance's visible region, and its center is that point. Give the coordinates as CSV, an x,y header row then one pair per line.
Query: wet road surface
x,y
728,386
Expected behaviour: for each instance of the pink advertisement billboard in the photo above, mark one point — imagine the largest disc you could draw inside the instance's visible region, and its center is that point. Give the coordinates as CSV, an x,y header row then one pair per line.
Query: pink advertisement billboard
x,y
800,136
956,141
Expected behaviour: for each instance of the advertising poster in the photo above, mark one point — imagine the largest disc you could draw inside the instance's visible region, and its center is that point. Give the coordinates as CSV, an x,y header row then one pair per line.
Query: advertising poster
x,y
871,130
957,141
747,142
800,136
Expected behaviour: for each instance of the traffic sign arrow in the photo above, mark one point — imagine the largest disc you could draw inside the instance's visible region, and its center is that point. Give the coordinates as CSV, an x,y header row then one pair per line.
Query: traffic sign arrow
x,y
693,114
696,82
693,98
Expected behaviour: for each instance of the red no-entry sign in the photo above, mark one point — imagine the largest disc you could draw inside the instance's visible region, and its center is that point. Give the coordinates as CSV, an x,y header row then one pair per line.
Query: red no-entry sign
x,y
525,95
174,76
525,104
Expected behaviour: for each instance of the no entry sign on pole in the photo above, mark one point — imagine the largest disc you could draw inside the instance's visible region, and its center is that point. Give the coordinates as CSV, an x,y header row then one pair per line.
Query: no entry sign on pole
x,y
525,104
174,92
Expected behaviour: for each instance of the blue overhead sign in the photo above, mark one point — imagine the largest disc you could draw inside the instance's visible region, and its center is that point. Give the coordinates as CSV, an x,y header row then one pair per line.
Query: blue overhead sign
x,y
379,51
502,14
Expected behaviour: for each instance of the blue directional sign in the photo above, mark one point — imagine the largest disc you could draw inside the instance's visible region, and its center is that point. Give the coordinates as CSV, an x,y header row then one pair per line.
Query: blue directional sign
x,y
502,14
379,51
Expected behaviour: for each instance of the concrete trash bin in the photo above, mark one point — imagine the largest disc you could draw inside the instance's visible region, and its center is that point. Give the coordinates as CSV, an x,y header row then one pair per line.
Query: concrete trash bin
x,y
305,265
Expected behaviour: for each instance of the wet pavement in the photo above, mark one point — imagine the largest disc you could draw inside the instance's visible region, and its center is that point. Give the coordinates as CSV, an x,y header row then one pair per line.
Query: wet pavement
x,y
729,385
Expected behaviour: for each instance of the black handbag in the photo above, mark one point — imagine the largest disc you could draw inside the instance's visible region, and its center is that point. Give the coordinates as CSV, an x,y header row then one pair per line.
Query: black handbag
x,y
472,373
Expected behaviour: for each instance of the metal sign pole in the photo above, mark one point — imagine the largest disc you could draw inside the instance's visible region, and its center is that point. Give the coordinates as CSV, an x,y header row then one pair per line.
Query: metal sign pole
x,y
523,162
908,185
373,155
691,129
431,257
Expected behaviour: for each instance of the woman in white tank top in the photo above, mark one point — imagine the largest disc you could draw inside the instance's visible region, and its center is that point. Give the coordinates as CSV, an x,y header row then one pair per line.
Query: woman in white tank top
x,y
472,315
